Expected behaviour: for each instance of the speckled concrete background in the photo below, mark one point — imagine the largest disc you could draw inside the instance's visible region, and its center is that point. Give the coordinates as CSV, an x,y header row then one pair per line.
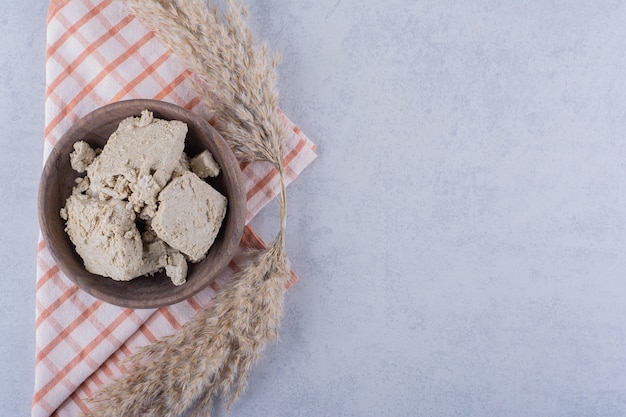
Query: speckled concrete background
x,y
461,239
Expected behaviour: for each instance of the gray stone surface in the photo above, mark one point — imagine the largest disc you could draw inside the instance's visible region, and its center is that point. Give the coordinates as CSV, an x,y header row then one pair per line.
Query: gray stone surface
x,y
460,239
22,84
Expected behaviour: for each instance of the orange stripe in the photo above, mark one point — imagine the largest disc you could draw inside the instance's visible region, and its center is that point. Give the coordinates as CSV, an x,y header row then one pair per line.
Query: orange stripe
x,y
87,52
141,60
77,359
144,74
42,265
117,360
167,314
85,386
138,320
61,104
251,240
99,57
292,281
233,265
81,404
42,244
83,389
294,152
68,330
45,277
45,405
91,85
194,304
53,8
57,303
259,186
289,172
107,368
145,330
171,86
192,103
85,357
72,29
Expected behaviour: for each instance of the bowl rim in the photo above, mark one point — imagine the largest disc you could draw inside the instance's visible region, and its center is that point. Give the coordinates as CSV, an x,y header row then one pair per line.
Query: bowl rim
x,y
236,213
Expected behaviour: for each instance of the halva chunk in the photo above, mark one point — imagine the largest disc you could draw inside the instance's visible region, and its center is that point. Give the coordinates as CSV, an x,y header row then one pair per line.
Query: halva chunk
x,y
204,165
138,160
105,236
189,215
140,209
82,156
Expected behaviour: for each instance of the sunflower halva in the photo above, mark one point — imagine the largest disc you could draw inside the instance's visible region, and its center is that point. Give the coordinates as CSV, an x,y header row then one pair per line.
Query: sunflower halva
x,y
141,208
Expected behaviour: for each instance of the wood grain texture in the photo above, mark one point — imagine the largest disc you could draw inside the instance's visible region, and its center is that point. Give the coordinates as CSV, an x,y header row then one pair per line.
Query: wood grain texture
x,y
57,182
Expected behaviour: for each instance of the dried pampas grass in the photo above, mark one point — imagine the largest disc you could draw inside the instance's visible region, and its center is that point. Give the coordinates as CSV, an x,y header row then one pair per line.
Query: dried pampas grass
x,y
212,354
235,77
208,356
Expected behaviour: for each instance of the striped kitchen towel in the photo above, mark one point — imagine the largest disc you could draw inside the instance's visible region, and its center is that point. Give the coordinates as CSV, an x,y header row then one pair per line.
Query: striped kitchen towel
x,y
98,53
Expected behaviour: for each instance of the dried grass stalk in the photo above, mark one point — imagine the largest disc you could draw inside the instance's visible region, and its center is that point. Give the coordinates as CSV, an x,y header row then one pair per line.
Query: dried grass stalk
x,y
235,77
212,354
208,356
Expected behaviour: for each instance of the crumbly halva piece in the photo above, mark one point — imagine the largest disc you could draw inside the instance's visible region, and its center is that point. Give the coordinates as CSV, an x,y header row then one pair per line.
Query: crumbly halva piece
x,y
105,236
142,168
82,156
138,160
204,165
159,255
189,215
176,267
182,167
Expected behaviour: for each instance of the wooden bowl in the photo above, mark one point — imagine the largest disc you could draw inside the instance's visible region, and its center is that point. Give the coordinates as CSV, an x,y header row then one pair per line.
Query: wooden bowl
x,y
56,186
